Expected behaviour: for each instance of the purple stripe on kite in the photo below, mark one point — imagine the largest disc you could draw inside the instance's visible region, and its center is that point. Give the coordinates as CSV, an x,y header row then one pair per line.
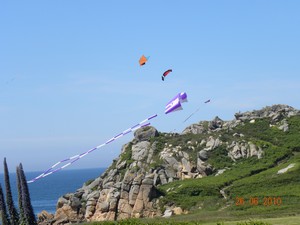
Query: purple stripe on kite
x,y
173,107
110,141
147,124
65,160
135,126
82,154
118,135
183,96
58,169
91,150
176,97
75,160
152,117
48,170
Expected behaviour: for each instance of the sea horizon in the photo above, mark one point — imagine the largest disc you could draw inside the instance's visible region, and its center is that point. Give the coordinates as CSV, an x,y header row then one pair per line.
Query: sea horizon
x,y
44,193
68,169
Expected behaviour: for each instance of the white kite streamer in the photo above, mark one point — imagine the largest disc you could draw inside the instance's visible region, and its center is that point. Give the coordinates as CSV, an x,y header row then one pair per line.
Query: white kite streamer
x,y
74,158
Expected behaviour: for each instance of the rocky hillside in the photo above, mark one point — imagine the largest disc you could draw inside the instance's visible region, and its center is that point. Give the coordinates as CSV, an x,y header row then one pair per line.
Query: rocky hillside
x,y
131,186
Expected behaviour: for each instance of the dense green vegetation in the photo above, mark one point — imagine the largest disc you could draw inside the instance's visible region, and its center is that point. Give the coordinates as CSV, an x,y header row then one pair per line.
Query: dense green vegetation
x,y
166,222
252,186
9,215
127,154
219,159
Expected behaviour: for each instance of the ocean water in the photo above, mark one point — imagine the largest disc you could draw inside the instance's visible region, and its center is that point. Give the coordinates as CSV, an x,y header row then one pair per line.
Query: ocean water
x,y
45,192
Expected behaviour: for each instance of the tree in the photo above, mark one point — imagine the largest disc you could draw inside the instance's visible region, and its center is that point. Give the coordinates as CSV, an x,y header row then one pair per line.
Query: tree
x,y
26,202
13,213
22,220
3,212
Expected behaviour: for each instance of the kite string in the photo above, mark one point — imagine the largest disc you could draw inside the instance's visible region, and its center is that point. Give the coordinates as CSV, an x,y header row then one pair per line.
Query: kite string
x,y
195,111
77,157
192,114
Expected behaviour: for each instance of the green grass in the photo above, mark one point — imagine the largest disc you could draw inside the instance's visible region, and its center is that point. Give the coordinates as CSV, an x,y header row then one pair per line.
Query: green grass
x,y
218,158
246,179
194,220
127,154
188,193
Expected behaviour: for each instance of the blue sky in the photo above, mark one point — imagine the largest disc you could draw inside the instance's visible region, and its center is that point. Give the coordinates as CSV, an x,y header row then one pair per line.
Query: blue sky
x,y
70,78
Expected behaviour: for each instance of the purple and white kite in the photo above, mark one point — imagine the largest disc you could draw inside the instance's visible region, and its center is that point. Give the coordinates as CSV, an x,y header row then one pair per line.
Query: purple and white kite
x,y
74,158
175,103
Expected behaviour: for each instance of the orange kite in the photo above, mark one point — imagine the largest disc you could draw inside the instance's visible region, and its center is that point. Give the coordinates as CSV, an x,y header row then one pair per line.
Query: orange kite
x,y
143,60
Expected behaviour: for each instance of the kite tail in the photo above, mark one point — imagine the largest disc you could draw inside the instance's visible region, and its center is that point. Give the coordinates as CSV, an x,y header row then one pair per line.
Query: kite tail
x,y
75,158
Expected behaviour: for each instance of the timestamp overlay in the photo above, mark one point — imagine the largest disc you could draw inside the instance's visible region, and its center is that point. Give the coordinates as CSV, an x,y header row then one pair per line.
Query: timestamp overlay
x,y
255,201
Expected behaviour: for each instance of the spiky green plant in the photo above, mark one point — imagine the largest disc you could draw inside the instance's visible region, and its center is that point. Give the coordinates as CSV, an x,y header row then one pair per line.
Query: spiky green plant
x,y
13,213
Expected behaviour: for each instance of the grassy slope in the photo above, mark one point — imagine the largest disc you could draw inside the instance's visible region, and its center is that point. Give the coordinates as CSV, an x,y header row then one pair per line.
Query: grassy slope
x,y
247,178
291,220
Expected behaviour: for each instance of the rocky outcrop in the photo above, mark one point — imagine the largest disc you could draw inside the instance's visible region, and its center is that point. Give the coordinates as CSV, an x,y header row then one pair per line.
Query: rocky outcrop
x,y
45,218
200,128
129,188
276,113
145,134
243,149
125,190
284,170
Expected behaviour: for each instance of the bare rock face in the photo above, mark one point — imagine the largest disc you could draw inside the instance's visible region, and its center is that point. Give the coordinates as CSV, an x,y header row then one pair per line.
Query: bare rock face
x,y
145,133
243,150
140,150
216,123
195,129
275,112
106,204
204,168
203,155
69,209
284,126
212,143
45,218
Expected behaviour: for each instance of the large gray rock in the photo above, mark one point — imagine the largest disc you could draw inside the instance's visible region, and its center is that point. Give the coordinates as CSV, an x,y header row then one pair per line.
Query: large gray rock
x,y
203,155
172,162
204,168
133,193
212,143
61,201
236,152
145,133
168,213
170,172
140,150
215,123
45,218
275,112
186,166
284,126
195,129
